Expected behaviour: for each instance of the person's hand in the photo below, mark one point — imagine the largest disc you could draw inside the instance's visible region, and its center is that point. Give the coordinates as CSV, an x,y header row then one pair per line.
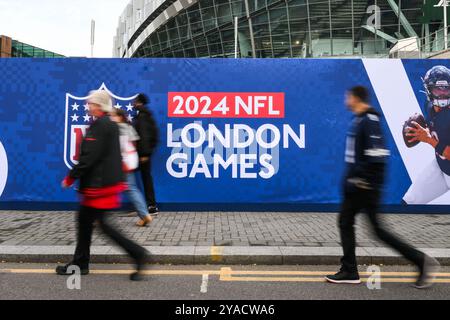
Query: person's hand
x,y
419,133
143,159
64,184
67,182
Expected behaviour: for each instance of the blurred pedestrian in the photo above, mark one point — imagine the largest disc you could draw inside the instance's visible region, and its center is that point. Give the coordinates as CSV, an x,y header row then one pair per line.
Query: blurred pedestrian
x,y
366,157
101,183
146,127
130,159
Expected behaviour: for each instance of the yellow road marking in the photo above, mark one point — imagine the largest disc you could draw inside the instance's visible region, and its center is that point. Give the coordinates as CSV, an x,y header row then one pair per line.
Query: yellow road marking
x,y
227,274
224,272
325,273
216,254
317,279
24,271
161,272
227,271
119,272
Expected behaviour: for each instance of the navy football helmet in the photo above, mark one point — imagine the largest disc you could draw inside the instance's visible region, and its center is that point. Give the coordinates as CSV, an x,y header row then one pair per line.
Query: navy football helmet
x,y
437,86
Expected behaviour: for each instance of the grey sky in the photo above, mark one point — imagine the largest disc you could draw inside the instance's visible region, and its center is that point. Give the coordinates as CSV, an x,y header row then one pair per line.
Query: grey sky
x,y
62,26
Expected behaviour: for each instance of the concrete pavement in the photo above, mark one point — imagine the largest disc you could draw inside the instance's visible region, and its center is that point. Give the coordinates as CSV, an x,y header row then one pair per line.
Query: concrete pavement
x,y
221,238
37,281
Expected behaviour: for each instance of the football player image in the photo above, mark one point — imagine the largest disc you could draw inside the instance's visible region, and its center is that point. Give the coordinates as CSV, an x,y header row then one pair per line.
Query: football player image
x,y
432,129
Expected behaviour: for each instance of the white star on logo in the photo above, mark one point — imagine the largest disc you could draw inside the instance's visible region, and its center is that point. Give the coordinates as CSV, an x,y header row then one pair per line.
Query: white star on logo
x,y
130,118
86,107
75,106
87,118
129,107
118,106
75,118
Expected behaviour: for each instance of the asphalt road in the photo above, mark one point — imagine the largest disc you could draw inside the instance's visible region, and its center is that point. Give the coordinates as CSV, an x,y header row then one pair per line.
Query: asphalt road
x,y
36,282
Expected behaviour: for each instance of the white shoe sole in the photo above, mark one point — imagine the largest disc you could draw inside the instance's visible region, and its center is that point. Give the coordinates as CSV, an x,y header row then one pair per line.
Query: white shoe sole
x,y
343,281
426,286
432,268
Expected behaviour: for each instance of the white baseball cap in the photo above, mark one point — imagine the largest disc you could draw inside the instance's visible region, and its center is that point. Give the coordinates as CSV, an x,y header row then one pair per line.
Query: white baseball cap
x,y
102,98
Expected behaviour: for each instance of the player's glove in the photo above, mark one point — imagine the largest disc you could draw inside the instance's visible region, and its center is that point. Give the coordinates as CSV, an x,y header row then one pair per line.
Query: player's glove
x,y
409,124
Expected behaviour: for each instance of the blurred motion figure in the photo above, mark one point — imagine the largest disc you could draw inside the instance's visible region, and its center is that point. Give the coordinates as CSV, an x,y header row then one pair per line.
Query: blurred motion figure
x,y
146,127
101,182
366,157
128,139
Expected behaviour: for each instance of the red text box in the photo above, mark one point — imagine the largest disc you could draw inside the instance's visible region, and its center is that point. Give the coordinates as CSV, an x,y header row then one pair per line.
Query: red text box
x,y
226,105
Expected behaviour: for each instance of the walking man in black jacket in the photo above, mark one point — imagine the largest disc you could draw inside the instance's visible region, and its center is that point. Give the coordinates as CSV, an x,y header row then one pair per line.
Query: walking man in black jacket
x,y
147,130
366,157
101,181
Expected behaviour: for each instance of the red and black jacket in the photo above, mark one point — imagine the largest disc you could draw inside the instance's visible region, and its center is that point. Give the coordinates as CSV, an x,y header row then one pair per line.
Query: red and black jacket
x,y
100,166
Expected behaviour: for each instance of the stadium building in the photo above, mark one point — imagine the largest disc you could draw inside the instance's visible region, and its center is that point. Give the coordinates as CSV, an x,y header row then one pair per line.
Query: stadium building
x,y
279,28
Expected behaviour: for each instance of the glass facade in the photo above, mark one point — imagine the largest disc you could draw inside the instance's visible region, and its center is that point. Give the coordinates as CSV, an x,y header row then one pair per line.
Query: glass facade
x,y
23,50
10,48
291,28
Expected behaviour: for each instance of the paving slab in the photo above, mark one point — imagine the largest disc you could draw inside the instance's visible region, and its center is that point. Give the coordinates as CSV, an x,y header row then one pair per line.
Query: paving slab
x,y
221,237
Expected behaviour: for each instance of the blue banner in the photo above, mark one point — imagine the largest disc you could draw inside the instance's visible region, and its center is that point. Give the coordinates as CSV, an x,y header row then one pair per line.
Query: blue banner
x,y
237,132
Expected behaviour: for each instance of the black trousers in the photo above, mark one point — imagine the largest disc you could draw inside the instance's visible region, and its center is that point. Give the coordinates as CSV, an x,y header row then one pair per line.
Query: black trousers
x,y
147,180
86,218
368,201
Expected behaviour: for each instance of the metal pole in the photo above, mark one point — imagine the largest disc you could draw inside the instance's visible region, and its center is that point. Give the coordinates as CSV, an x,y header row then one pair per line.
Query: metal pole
x,y
92,37
445,26
376,25
309,30
353,30
250,27
236,21
331,27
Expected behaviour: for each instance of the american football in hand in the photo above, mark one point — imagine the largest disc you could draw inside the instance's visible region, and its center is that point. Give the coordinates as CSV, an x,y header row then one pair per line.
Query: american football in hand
x,y
419,119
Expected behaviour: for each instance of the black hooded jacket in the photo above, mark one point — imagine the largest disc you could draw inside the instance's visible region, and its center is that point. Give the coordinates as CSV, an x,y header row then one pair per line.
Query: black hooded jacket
x,y
147,129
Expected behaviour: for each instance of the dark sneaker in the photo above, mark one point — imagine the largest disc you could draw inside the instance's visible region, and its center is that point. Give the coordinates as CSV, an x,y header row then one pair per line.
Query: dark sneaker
x,y
427,276
344,277
153,211
140,265
63,270
136,276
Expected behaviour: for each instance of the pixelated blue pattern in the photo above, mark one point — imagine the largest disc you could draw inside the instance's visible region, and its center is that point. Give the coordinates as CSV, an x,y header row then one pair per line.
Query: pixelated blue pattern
x,y
32,113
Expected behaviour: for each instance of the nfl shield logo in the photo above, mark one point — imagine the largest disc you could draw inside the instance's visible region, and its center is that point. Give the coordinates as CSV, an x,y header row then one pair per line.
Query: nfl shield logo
x,y
78,121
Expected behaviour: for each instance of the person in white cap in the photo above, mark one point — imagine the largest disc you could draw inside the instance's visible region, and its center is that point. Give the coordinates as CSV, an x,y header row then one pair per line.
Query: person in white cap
x,y
101,181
